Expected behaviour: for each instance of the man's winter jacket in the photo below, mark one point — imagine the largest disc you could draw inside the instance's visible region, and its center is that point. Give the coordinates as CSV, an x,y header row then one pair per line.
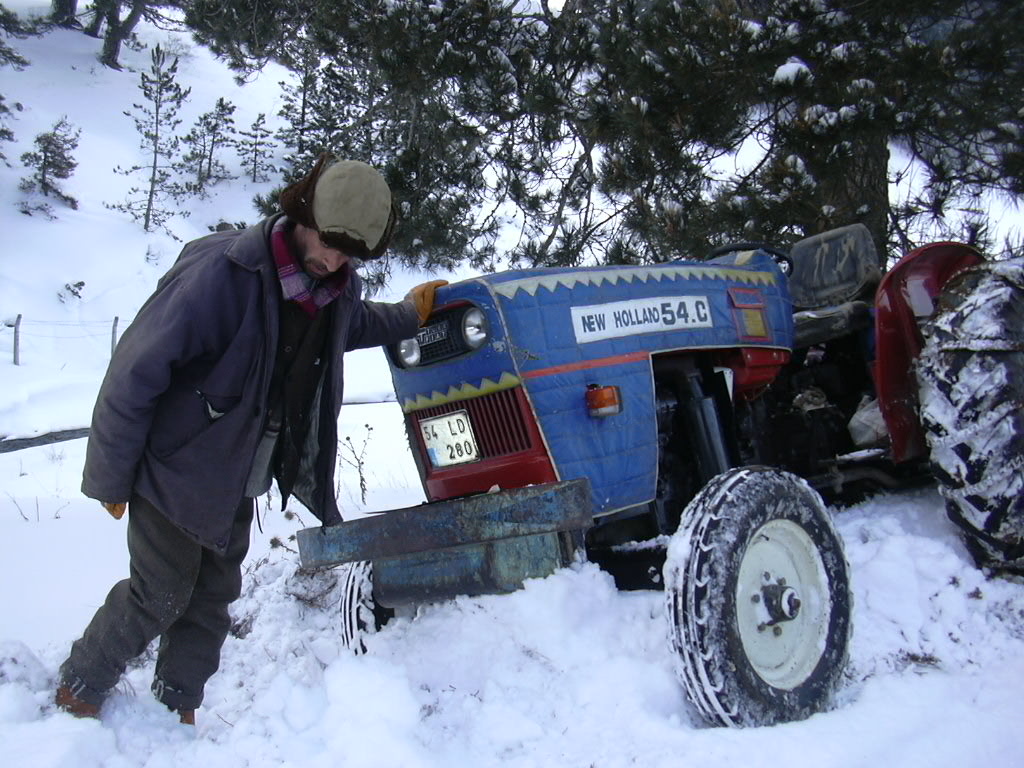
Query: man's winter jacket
x,y
181,410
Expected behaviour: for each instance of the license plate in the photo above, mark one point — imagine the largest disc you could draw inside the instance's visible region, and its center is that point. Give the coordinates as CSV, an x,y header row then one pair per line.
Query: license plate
x,y
432,333
449,439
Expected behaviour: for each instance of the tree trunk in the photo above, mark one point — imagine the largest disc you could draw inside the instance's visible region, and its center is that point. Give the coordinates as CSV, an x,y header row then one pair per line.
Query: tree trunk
x,y
857,188
118,31
62,13
44,167
207,164
100,11
155,166
875,178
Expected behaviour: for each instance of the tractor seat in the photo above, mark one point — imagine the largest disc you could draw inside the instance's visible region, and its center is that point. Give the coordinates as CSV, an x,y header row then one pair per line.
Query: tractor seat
x,y
833,268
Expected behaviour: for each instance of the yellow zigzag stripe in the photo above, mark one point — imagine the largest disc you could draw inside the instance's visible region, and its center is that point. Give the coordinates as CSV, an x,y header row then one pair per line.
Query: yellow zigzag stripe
x,y
643,274
464,391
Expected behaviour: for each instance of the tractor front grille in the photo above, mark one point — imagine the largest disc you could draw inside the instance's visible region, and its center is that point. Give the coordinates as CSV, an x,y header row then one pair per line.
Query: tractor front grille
x,y
497,419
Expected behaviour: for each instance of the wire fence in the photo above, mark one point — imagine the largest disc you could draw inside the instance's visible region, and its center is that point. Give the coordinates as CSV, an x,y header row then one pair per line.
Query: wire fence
x,y
77,330
63,330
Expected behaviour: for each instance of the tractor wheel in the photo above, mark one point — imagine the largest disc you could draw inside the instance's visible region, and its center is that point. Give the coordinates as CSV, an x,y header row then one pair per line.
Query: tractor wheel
x,y
971,390
360,613
758,600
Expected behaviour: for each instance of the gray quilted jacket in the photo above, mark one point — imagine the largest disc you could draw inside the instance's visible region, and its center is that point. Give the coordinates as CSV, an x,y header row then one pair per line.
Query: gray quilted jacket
x,y
181,410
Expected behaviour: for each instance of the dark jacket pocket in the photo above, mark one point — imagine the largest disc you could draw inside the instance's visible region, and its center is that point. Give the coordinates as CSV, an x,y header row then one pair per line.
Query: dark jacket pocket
x,y
218,405
184,414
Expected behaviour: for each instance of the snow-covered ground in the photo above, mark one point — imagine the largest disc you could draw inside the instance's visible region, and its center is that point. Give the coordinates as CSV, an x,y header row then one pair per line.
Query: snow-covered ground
x,y
567,672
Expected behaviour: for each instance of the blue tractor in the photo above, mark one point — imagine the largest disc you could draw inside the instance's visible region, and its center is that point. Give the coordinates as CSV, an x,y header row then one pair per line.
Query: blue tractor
x,y
677,424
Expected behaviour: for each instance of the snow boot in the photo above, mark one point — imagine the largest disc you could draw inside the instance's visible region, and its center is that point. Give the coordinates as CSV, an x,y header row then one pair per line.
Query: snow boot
x,y
187,716
69,701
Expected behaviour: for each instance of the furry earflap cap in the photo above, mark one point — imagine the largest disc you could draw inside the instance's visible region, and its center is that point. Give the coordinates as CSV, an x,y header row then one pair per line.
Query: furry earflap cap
x,y
346,201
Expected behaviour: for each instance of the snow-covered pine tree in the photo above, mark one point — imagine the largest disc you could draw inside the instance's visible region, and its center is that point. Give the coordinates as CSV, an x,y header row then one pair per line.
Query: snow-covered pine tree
x,y
605,127
155,120
254,149
826,100
51,162
213,131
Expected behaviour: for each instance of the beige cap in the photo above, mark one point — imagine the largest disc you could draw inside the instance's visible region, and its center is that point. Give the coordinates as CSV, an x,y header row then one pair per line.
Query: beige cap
x,y
352,198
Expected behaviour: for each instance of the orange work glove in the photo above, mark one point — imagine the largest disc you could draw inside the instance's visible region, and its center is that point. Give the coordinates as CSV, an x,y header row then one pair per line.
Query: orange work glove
x,y
423,297
116,510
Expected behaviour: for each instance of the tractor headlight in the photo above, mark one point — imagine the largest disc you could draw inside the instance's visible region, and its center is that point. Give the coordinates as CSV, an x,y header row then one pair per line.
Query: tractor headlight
x,y
474,328
408,353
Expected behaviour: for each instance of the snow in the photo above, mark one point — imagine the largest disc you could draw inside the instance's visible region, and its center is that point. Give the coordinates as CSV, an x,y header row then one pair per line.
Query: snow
x,y
566,672
790,72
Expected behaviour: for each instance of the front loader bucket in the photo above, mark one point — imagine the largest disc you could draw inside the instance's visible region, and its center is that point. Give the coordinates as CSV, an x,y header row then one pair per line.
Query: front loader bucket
x,y
485,544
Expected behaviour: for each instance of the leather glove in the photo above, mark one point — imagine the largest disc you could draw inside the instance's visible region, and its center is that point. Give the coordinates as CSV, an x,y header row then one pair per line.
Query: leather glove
x,y
116,510
423,298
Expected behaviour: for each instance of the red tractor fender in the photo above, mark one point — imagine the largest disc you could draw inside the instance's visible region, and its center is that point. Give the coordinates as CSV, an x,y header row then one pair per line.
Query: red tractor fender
x,y
906,297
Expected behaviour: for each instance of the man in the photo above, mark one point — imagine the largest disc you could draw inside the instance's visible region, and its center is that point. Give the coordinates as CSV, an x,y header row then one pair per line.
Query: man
x,y
230,375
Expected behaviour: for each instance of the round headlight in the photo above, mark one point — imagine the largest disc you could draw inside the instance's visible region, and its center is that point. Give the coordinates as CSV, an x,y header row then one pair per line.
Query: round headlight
x,y
409,353
474,328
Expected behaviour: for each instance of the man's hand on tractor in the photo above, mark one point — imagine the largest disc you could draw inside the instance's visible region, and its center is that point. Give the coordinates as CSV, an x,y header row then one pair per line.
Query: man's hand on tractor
x,y
116,510
423,297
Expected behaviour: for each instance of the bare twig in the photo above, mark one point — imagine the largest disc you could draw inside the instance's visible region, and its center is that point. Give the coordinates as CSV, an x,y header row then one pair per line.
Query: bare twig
x,y
358,459
16,504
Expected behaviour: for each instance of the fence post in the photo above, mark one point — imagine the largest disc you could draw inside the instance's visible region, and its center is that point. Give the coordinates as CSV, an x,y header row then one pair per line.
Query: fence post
x,y
17,340
113,337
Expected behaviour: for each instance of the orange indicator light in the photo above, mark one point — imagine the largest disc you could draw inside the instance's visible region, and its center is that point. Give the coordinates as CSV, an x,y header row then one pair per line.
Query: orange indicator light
x,y
603,401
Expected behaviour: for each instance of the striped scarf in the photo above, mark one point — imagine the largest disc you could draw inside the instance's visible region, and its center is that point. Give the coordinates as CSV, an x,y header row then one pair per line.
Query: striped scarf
x,y
296,285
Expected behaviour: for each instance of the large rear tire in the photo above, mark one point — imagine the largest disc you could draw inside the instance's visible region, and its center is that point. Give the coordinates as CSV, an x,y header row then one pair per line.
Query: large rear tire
x,y
758,600
971,391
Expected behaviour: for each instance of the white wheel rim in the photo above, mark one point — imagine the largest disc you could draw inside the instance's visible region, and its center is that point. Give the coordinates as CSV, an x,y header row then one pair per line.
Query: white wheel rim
x,y
782,650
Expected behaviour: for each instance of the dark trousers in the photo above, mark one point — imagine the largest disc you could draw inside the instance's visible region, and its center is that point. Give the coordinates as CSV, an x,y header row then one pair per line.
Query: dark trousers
x,y
178,591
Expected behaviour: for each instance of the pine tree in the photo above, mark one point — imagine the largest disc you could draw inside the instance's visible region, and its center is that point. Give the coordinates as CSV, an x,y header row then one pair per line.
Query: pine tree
x,y
213,131
468,107
254,149
10,26
604,130
298,98
155,120
6,134
52,162
824,94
